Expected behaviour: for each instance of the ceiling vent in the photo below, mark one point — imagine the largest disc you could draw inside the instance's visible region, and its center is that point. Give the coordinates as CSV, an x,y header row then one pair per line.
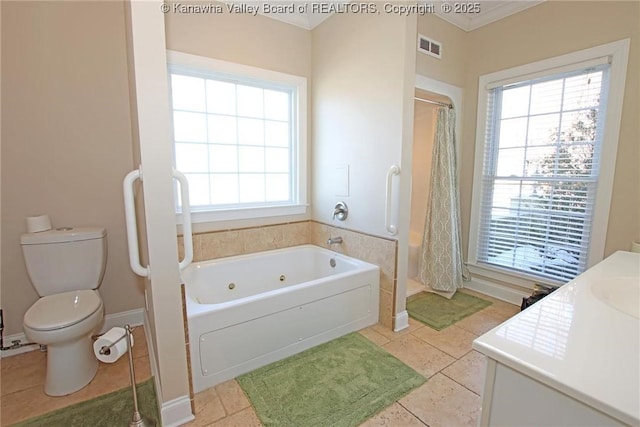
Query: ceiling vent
x,y
429,46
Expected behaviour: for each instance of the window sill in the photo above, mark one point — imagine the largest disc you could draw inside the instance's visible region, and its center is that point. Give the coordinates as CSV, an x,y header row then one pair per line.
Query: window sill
x,y
244,213
522,280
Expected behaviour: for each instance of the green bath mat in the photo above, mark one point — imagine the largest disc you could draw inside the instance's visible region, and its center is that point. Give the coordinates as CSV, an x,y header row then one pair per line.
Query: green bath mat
x,y
113,409
439,312
340,383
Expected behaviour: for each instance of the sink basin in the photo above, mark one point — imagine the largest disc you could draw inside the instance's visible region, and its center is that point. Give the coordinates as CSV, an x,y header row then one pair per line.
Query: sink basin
x,y
621,293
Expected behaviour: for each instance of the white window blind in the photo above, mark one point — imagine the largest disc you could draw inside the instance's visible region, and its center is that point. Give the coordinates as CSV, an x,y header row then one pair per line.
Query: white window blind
x,y
235,140
540,173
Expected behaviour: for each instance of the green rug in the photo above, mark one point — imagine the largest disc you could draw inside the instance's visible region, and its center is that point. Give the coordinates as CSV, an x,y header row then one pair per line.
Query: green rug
x,y
110,410
439,312
340,383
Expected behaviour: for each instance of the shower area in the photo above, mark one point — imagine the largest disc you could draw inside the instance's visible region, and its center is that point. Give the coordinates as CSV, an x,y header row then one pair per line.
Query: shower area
x,y
433,215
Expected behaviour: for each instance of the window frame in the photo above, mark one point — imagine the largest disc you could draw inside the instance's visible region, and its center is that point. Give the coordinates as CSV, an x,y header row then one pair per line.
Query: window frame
x,y
210,68
618,56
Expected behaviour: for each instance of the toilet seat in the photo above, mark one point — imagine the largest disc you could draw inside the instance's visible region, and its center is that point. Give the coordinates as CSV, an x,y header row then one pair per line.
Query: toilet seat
x,y
62,310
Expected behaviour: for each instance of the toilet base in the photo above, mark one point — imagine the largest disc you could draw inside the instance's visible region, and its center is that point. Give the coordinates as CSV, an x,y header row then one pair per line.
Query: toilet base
x,y
70,366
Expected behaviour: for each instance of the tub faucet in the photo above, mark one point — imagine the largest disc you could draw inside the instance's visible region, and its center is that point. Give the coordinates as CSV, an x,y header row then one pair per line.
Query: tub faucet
x,y
334,240
340,211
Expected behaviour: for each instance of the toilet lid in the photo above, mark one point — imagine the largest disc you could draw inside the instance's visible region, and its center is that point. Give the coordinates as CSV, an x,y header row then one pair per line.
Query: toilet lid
x,y
62,310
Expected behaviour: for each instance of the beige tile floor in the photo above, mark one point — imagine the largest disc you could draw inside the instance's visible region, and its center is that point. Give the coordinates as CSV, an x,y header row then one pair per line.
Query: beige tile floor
x,y
450,397
22,382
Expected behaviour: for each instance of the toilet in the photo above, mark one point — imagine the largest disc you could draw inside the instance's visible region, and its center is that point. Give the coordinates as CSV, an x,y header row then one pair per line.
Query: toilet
x,y
65,266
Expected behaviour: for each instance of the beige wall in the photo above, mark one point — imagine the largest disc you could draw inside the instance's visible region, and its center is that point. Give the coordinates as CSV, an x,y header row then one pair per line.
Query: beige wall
x,y
257,41
451,67
358,88
550,29
241,38
66,137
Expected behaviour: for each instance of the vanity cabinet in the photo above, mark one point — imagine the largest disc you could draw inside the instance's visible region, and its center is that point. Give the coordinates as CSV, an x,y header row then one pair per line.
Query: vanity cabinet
x,y
571,359
513,399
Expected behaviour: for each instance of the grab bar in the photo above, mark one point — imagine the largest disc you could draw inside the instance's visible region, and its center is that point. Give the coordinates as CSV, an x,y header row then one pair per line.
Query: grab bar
x,y
186,220
391,229
132,227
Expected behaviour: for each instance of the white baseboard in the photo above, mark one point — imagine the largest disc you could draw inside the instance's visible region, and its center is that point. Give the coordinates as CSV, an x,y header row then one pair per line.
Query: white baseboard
x,y
7,340
132,317
176,412
497,291
153,362
402,321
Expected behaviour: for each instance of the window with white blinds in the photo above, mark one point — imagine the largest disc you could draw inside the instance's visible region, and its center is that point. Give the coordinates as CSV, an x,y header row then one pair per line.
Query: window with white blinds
x,y
540,171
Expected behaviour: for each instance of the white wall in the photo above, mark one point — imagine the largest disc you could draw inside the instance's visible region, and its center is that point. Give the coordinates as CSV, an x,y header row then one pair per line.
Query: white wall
x,y
148,57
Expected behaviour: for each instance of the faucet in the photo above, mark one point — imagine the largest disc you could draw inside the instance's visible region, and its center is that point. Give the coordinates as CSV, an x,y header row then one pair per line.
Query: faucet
x,y
334,240
340,211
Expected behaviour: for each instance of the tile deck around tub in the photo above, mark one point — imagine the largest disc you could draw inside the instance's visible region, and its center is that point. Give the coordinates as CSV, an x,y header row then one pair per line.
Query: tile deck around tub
x,y
445,357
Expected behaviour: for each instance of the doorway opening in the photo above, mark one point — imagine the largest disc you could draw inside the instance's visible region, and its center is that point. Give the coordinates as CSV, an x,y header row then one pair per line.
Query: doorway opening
x,y
426,105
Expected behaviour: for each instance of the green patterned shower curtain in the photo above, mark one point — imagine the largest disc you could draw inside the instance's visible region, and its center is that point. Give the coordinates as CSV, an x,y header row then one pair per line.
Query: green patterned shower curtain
x,y
441,264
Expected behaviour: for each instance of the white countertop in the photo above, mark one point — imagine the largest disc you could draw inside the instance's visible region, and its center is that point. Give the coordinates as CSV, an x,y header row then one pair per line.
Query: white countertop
x,y
578,344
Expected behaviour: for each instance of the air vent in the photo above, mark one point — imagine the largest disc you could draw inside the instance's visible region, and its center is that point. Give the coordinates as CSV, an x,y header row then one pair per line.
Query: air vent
x,y
429,46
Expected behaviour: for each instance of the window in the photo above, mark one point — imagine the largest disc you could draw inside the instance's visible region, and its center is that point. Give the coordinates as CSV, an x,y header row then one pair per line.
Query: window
x,y
239,138
541,171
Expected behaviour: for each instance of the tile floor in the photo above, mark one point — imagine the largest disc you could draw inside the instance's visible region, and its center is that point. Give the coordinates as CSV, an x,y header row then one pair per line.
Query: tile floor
x,y
450,397
22,382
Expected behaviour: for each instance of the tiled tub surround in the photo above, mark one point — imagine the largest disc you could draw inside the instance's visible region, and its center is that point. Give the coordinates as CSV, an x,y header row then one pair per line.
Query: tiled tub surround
x,y
375,250
372,249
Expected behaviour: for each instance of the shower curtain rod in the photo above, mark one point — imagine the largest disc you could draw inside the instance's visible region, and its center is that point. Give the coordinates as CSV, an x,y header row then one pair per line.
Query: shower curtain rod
x,y
442,104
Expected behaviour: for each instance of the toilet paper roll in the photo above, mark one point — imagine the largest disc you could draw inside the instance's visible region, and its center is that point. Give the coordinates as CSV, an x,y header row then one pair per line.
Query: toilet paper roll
x,y
117,350
635,247
36,224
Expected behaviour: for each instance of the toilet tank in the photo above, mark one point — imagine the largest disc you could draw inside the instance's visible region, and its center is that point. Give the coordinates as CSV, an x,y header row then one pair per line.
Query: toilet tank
x,y
65,259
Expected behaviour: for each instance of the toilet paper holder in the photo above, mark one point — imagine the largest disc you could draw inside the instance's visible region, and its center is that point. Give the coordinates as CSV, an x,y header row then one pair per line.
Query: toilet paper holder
x,y
137,420
106,349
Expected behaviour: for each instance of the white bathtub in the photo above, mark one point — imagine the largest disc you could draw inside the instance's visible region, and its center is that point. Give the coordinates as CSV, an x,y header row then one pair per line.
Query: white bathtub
x,y
250,310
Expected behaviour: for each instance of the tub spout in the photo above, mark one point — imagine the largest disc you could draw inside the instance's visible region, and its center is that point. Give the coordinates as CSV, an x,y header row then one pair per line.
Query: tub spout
x,y
334,240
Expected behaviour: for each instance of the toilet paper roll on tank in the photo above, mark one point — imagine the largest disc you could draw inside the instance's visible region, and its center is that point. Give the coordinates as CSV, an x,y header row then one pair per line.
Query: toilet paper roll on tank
x,y
114,335
38,223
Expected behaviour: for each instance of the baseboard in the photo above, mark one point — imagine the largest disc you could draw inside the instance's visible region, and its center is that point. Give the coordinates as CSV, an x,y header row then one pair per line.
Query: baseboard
x,y
401,321
497,291
176,412
153,362
7,340
132,317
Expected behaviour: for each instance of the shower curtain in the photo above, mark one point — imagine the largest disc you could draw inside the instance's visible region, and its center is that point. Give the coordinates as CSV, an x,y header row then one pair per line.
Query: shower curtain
x,y
441,266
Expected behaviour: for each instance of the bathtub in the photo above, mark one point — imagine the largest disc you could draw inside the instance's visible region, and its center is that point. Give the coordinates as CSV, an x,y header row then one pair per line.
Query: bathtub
x,y
247,311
